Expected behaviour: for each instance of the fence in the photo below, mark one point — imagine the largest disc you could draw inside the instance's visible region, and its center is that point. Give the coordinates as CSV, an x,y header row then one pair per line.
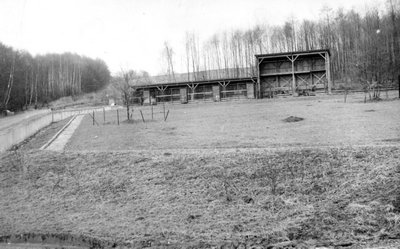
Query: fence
x,y
16,133
141,114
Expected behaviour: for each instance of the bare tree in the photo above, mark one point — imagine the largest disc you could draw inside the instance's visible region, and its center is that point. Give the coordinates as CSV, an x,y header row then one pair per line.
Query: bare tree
x,y
10,84
127,83
168,53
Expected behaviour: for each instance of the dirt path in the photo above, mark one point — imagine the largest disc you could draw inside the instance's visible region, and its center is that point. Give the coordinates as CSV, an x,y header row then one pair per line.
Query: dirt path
x,y
62,139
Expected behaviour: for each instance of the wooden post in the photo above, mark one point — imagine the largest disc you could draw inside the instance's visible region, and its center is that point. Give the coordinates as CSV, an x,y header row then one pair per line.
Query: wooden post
x,y
117,116
142,116
104,115
258,84
328,72
293,59
398,81
293,79
345,95
52,116
164,109
165,119
151,112
93,117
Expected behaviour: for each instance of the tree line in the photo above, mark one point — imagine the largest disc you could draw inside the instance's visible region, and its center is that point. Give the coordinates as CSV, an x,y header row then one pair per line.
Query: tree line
x,y
27,80
365,48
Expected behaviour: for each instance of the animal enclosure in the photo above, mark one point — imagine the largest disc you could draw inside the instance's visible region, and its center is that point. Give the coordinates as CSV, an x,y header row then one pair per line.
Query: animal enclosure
x,y
248,124
293,73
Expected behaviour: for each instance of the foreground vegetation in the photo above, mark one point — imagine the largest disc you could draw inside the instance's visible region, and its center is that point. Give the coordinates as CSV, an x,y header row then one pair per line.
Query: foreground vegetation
x,y
296,197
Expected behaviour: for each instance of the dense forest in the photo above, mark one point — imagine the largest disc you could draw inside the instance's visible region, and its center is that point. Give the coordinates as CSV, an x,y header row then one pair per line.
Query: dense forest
x,y
364,47
34,81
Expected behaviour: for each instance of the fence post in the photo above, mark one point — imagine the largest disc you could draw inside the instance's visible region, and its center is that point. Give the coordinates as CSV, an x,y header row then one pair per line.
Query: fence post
x,y
165,119
52,116
117,116
151,112
142,116
164,109
398,81
104,115
93,117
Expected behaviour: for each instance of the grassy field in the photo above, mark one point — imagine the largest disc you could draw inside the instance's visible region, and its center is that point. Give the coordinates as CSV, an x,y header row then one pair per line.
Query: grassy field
x,y
213,175
254,197
252,124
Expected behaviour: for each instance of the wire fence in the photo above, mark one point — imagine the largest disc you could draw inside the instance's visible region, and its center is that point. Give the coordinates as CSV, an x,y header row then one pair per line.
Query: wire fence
x,y
131,114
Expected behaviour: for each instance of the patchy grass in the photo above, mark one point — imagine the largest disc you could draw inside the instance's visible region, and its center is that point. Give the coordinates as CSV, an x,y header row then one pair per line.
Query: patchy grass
x,y
204,198
248,124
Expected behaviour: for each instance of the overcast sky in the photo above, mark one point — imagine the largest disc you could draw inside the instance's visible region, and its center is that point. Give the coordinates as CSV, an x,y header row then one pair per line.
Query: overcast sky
x,y
130,33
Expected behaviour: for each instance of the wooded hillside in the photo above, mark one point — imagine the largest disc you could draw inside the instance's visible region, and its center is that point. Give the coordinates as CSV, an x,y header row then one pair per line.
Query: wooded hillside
x,y
33,81
364,47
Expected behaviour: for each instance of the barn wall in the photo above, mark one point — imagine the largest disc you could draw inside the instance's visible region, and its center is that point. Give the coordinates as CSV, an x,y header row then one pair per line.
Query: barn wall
x,y
276,74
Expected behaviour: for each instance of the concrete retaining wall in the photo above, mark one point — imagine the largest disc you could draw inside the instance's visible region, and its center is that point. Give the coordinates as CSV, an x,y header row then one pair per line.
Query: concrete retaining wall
x,y
17,133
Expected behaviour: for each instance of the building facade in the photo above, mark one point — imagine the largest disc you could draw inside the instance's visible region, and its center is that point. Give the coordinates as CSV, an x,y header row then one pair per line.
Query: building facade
x,y
292,73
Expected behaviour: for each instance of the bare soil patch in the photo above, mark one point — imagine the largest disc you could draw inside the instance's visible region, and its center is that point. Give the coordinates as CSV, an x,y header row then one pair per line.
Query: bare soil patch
x,y
292,119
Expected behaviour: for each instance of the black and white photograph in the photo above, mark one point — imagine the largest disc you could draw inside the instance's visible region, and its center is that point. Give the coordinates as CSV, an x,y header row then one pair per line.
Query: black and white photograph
x,y
221,124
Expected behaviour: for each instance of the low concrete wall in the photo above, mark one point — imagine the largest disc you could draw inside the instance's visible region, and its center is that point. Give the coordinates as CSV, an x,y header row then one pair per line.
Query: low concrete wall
x,y
17,133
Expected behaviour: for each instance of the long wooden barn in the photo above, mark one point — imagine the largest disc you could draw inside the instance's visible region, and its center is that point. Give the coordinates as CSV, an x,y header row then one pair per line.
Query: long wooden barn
x,y
292,73
205,90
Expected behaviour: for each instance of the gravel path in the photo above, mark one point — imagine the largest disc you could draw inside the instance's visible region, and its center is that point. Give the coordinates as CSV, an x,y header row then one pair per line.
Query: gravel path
x,y
59,143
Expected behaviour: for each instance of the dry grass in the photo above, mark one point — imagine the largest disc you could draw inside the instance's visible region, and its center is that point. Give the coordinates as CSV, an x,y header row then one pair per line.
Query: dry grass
x,y
252,124
165,198
216,174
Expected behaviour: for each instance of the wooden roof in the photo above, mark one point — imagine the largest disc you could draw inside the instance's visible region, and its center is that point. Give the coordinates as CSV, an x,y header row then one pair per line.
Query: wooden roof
x,y
203,82
309,52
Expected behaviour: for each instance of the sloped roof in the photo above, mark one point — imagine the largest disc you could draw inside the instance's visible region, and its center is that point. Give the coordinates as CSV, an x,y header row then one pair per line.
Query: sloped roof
x,y
209,75
294,53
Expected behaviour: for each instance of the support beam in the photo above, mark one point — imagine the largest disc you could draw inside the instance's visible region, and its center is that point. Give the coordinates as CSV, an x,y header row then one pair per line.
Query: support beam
x,y
302,79
162,88
193,88
258,84
293,59
319,78
224,85
328,72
